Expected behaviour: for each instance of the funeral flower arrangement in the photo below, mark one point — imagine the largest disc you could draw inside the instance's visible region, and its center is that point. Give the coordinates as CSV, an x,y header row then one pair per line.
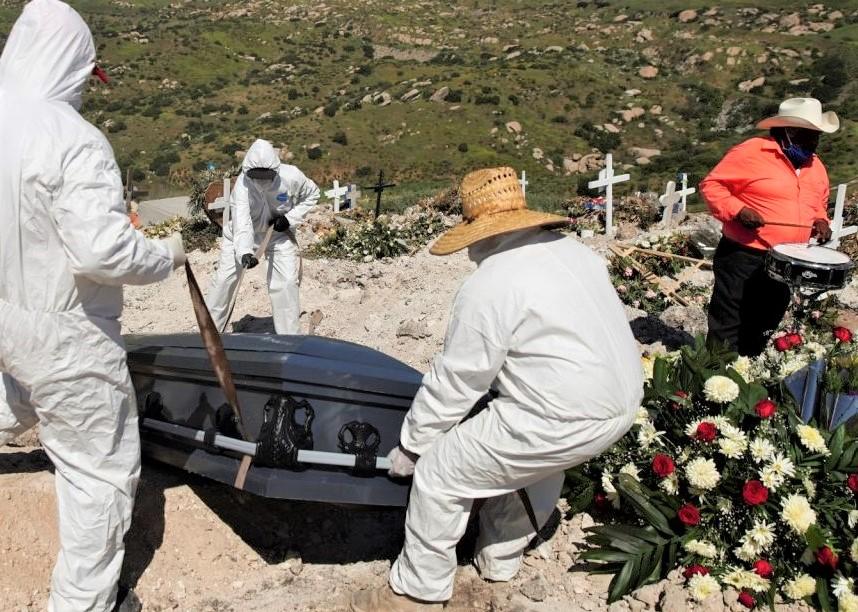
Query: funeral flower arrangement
x,y
720,477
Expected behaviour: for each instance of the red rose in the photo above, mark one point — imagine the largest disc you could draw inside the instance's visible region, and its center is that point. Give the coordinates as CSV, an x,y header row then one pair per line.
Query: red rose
x,y
843,334
689,515
691,570
663,466
747,600
763,568
827,558
706,431
794,339
601,501
755,493
682,395
782,344
765,408
852,483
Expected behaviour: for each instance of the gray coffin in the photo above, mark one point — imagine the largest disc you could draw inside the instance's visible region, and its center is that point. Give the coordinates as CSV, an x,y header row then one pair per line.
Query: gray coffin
x,y
343,382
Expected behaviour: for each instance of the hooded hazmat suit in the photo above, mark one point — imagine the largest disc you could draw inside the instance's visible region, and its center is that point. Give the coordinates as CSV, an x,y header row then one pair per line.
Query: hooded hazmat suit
x,y
66,249
252,205
540,323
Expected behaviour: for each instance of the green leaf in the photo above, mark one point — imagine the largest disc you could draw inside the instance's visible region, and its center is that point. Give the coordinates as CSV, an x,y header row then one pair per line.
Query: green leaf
x,y
605,556
836,448
848,457
822,595
633,492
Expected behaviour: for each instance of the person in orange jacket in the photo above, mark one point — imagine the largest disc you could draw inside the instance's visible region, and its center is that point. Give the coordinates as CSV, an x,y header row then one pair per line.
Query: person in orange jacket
x,y
760,183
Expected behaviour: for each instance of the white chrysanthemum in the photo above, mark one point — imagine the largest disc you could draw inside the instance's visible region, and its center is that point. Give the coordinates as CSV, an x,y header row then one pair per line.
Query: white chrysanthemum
x,y
742,366
610,490
669,485
648,435
842,586
809,488
771,479
761,449
852,519
702,548
702,474
731,432
811,439
853,550
848,603
648,364
720,389
702,587
747,552
632,470
792,365
724,505
797,513
762,534
815,349
800,587
732,449
744,579
642,416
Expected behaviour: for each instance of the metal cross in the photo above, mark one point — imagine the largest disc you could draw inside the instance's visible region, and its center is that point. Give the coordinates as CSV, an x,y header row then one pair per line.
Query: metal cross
x,y
379,188
608,179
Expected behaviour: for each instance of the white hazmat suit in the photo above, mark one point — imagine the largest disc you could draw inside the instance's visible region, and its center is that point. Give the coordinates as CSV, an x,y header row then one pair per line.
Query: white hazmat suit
x,y
252,205
66,248
540,323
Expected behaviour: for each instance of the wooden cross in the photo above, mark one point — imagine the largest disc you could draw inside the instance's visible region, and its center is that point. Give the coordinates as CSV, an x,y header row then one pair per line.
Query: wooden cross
x,y
837,229
336,194
607,179
523,182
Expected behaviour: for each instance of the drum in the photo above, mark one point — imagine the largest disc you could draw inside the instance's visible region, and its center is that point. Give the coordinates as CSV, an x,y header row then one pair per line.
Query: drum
x,y
810,267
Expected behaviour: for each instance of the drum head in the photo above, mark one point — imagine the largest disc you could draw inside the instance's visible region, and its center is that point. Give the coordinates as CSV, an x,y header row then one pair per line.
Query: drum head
x,y
800,251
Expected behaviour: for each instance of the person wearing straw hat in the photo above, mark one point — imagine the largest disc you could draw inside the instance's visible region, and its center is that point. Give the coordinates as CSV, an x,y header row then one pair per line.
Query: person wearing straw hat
x,y
539,324
766,191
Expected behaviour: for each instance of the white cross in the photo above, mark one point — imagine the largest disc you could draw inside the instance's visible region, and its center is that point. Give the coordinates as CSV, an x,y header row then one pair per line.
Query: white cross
x,y
352,196
336,194
608,179
523,182
675,202
837,229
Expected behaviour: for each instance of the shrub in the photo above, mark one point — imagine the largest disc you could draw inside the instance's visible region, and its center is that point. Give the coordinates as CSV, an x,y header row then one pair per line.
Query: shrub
x,y
340,138
463,147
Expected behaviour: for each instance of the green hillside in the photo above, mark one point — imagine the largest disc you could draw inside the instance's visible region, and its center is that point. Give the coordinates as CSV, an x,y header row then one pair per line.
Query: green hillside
x,y
194,82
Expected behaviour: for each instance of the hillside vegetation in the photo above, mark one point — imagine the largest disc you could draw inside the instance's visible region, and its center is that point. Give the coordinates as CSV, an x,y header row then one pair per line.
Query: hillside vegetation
x,y
429,89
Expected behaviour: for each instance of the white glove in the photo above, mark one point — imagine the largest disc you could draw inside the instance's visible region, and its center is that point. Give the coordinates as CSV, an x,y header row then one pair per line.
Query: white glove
x,y
401,462
177,249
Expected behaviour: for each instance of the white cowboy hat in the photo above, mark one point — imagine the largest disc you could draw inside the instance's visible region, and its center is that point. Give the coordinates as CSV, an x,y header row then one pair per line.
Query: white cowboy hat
x,y
802,113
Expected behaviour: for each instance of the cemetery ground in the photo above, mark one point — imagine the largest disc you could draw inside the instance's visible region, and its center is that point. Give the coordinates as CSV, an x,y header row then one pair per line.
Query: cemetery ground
x,y
200,546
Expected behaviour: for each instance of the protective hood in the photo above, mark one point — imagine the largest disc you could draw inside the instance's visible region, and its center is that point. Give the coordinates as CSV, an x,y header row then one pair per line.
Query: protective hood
x,y
261,155
49,55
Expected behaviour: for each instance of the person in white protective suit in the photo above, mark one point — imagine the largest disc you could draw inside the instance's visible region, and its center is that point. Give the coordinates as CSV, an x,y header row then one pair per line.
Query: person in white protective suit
x,y
267,193
540,324
66,248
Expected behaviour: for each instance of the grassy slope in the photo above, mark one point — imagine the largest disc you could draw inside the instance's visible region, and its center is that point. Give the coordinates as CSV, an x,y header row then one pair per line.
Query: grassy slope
x,y
221,63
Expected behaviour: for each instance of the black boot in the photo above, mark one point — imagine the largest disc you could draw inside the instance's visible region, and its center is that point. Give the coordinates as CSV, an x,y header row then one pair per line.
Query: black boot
x,y
127,600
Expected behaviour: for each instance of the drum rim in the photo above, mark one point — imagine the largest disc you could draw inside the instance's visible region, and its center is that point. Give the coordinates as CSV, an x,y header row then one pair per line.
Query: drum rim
x,y
846,265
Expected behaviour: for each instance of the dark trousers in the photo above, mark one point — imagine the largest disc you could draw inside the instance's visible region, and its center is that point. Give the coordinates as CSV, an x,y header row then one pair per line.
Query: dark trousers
x,y
747,304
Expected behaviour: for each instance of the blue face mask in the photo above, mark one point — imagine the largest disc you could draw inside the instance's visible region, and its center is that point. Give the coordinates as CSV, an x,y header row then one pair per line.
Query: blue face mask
x,y
798,155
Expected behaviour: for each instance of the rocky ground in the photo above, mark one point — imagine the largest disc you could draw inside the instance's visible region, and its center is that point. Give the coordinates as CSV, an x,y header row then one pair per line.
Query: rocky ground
x,y
196,545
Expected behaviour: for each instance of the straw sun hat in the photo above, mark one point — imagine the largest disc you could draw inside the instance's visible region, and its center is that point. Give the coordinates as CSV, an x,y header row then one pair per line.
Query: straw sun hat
x,y
802,113
492,204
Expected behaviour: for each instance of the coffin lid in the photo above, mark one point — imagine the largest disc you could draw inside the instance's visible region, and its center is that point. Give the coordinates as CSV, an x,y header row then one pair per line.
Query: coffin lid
x,y
311,360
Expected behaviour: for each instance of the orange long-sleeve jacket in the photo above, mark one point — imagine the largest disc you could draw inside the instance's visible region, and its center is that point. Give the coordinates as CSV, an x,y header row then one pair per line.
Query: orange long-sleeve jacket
x,y
757,174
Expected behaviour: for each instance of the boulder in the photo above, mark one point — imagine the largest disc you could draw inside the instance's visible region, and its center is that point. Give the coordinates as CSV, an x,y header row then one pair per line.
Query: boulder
x,y
648,72
570,166
440,95
513,127
537,153
790,21
410,95
645,152
747,86
687,16
631,114
644,35
382,99
612,128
